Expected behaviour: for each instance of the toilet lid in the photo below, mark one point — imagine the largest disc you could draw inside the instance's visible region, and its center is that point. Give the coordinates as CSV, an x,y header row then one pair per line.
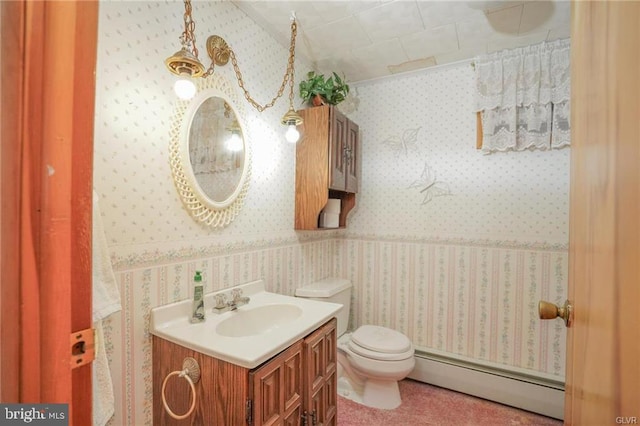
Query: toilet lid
x,y
381,339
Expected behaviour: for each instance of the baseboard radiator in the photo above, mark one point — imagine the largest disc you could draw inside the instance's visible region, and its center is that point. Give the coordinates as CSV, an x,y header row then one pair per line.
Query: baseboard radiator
x,y
521,389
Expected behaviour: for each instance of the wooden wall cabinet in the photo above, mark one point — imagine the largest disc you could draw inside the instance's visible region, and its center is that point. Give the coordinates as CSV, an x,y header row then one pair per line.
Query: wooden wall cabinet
x,y
295,388
327,165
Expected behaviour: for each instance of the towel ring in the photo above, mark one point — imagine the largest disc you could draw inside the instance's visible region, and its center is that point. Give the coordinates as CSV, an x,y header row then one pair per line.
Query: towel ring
x,y
191,373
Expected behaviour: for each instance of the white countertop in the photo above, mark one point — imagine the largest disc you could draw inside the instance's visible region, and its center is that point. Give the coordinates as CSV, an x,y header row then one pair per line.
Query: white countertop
x,y
171,322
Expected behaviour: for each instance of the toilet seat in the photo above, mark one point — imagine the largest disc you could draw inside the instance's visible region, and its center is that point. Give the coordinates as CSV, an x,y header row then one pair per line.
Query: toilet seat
x,y
379,356
380,343
381,339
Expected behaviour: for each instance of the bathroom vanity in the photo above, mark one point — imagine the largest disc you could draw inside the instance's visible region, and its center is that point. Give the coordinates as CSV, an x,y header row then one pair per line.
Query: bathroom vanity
x,y
254,373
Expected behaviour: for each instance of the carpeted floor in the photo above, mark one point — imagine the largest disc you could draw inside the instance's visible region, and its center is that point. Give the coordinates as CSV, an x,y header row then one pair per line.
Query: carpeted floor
x,y
423,404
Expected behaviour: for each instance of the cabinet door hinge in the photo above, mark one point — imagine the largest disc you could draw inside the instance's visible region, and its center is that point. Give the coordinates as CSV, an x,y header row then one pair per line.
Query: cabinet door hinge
x,y
249,409
83,349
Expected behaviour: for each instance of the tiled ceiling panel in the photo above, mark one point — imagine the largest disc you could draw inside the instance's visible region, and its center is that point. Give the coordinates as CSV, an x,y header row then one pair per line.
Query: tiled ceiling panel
x,y
370,39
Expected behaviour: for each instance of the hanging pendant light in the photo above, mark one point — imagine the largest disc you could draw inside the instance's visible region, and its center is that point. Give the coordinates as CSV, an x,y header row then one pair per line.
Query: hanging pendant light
x,y
292,120
186,65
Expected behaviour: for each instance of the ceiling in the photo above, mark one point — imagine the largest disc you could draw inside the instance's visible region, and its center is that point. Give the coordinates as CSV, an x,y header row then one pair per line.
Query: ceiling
x,y
368,39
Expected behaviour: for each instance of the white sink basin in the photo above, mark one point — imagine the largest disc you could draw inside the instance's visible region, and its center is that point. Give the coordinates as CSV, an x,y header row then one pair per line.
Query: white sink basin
x,y
249,335
258,320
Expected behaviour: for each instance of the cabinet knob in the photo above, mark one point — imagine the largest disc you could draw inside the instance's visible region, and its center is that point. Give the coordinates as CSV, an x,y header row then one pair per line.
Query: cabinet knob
x,y
347,154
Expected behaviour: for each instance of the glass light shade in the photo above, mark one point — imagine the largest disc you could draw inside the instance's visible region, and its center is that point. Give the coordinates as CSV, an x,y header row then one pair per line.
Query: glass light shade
x,y
184,88
292,134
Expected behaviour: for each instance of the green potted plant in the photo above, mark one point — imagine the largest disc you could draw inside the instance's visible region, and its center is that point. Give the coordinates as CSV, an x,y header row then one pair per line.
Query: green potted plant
x,y
318,91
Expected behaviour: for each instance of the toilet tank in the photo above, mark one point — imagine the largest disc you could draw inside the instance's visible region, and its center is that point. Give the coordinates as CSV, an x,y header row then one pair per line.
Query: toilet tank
x,y
334,290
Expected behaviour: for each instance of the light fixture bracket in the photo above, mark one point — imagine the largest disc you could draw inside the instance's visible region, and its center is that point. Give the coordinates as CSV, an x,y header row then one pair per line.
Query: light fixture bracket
x,y
218,50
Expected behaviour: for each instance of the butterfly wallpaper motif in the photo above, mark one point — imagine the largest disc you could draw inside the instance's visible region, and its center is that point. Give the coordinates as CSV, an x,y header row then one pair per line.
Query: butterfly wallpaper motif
x,y
429,186
407,144
402,145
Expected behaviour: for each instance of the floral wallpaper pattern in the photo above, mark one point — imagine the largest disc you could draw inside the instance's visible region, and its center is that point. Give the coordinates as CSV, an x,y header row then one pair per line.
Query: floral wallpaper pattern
x,y
513,196
476,301
460,274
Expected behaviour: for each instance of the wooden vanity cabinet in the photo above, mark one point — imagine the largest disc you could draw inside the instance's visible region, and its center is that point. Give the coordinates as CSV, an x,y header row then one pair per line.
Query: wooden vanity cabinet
x,y
327,165
293,388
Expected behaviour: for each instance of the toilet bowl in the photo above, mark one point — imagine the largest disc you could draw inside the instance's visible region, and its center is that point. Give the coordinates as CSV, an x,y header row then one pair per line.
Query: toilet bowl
x,y
377,358
372,359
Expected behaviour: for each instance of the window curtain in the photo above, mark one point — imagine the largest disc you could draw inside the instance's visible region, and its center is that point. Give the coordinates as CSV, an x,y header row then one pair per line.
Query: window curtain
x,y
523,96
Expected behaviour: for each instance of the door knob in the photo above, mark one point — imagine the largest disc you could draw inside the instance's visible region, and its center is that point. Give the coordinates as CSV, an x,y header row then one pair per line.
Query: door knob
x,y
548,310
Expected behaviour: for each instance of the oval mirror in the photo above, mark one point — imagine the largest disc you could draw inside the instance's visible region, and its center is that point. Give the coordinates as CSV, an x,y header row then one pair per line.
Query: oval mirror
x,y
215,145
210,159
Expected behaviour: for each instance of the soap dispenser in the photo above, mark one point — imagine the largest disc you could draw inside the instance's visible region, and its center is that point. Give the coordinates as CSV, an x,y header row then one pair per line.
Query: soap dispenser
x,y
197,313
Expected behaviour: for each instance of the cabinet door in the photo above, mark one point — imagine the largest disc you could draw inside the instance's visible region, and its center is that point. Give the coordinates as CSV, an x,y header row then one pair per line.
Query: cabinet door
x,y
320,368
316,408
293,381
352,154
331,352
222,391
277,389
314,361
337,147
330,395
294,418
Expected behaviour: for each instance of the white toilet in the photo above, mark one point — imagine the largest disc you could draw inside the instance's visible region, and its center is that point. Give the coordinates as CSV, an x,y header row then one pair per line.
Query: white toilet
x,y
372,359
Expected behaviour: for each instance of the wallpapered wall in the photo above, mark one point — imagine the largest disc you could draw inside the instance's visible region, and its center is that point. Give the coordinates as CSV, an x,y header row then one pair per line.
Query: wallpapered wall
x,y
155,245
419,137
449,245
452,247
134,105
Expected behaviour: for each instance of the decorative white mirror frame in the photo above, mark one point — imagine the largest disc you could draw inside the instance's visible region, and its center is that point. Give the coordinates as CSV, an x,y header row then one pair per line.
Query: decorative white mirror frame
x,y
200,206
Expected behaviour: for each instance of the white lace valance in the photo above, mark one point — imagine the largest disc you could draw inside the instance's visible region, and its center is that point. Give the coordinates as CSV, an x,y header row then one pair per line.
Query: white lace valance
x,y
524,97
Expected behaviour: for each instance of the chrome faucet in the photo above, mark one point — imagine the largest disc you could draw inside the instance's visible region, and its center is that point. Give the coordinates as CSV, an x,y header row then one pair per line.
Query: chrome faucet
x,y
238,298
222,305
